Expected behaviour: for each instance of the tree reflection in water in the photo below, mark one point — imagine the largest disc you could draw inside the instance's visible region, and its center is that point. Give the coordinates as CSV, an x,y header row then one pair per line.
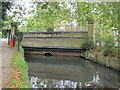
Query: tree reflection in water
x,y
68,72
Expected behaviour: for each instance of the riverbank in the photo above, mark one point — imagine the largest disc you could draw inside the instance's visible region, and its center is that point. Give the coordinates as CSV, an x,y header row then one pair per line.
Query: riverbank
x,y
19,74
99,58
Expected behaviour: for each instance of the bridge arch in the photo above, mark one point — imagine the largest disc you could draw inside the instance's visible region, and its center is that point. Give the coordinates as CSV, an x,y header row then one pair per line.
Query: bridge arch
x,y
47,54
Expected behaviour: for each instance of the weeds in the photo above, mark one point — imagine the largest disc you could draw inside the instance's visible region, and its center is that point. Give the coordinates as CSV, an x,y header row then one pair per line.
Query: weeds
x,y
109,46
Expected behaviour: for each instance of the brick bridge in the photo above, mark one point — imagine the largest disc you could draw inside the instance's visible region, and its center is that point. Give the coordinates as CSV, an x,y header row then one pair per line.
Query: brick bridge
x,y
69,43
53,42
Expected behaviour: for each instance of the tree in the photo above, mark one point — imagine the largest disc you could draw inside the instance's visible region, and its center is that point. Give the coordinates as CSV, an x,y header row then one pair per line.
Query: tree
x,y
48,14
4,6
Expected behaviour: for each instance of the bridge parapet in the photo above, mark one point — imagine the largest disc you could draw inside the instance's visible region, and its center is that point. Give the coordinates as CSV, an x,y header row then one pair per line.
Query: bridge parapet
x,y
54,39
55,34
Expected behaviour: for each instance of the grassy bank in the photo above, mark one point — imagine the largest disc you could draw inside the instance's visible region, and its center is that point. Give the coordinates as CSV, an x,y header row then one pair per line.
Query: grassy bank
x,y
19,74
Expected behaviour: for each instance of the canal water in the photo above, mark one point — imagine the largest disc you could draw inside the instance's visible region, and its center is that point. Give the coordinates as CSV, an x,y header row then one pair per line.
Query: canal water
x,y
68,72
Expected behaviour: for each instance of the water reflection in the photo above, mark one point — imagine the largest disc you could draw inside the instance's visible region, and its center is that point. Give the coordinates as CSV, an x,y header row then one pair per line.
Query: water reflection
x,y
53,83
68,72
95,82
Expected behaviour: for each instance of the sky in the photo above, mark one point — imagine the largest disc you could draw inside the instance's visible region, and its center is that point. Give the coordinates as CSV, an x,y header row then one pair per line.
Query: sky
x,y
26,7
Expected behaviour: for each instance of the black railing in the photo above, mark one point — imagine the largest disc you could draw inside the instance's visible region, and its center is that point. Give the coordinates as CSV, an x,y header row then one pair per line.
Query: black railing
x,y
17,42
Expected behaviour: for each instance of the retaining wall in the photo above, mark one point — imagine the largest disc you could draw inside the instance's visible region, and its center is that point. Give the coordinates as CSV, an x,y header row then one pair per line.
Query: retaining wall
x,y
104,60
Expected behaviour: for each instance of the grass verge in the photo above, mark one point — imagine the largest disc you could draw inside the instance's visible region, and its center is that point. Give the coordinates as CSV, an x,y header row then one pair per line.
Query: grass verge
x,y
19,74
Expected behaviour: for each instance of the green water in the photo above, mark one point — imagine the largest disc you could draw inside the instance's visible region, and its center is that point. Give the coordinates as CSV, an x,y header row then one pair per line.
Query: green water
x,y
67,72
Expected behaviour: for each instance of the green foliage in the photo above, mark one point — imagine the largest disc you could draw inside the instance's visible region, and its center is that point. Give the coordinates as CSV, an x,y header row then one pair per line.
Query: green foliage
x,y
0,34
5,6
48,14
88,44
97,36
18,57
7,22
109,46
4,33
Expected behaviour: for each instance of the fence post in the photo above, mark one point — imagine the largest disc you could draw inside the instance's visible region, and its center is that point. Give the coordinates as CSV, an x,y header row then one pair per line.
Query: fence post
x,y
9,37
18,44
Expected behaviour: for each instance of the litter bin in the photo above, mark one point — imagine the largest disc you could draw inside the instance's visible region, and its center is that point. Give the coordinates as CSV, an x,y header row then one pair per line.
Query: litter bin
x,y
12,42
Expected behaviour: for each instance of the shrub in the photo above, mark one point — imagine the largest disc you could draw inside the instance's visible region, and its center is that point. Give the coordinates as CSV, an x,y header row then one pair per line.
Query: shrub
x,y
4,33
109,46
88,44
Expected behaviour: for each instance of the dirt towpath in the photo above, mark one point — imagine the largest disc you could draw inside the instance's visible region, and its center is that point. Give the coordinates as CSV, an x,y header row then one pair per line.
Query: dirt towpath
x,y
5,57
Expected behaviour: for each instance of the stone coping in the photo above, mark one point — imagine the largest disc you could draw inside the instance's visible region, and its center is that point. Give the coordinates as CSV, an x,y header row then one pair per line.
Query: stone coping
x,y
54,32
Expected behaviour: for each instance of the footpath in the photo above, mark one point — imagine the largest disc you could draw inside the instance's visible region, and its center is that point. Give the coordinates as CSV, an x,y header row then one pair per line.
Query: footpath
x,y
5,57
